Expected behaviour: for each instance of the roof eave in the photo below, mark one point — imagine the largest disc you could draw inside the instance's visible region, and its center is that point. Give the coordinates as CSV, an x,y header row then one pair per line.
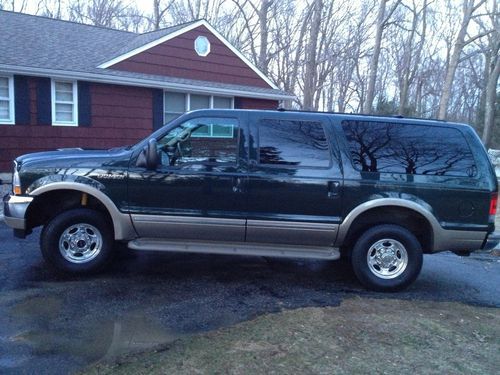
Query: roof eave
x,y
140,82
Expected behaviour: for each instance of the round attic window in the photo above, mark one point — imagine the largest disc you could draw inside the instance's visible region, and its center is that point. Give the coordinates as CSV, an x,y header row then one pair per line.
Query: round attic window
x,y
202,45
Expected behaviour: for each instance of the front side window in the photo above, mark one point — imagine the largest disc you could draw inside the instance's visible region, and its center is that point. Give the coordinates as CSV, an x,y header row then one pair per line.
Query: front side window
x,y
64,103
293,143
6,100
176,103
410,149
181,146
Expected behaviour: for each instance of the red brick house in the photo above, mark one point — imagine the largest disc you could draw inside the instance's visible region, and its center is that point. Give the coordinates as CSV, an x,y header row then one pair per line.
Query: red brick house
x,y
64,84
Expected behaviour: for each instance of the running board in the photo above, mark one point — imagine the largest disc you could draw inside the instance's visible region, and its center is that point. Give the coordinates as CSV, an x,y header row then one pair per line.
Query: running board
x,y
235,248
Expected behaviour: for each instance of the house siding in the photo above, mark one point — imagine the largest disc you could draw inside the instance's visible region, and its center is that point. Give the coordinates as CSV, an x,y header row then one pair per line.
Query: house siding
x,y
120,115
177,58
253,103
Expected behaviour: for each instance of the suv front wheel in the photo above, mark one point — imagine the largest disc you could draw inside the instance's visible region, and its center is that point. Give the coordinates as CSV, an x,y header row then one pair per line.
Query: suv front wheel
x,y
77,241
387,258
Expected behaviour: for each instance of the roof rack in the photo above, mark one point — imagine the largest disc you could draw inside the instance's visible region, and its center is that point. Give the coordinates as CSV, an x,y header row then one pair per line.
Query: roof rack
x,y
282,109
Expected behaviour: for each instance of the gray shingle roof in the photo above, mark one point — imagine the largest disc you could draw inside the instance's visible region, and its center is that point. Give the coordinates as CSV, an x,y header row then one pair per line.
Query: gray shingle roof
x,y
145,38
45,43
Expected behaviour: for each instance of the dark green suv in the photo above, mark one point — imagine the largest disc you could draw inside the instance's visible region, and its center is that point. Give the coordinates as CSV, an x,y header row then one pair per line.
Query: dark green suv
x,y
380,191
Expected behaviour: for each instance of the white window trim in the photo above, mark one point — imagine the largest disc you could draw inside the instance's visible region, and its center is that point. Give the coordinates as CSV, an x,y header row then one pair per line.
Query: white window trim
x,y
12,116
204,38
75,103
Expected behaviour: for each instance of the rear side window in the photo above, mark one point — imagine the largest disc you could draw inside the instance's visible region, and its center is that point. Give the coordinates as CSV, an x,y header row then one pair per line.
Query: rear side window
x,y
411,149
293,143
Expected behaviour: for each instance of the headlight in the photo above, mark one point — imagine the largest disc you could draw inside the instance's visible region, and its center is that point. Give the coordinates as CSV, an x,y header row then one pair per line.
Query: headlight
x,y
16,182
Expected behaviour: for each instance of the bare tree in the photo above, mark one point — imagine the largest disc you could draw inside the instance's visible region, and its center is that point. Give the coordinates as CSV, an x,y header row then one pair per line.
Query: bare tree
x,y
52,8
14,5
409,51
310,74
259,18
469,8
97,12
492,72
160,9
353,53
383,17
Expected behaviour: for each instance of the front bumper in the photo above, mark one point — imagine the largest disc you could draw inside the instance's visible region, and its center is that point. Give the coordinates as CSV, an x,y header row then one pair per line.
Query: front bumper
x,y
491,241
14,210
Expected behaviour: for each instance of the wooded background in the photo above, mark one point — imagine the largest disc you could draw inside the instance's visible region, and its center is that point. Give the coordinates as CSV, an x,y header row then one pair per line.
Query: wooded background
x,y
420,58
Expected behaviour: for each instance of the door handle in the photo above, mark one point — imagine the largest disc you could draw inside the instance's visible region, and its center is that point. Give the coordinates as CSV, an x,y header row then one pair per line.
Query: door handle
x,y
237,185
333,189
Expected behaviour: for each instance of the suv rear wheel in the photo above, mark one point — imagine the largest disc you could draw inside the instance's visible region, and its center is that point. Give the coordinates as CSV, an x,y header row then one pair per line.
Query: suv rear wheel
x,y
77,241
387,258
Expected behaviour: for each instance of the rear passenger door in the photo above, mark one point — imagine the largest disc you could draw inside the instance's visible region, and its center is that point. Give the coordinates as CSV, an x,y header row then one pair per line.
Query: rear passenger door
x,y
295,182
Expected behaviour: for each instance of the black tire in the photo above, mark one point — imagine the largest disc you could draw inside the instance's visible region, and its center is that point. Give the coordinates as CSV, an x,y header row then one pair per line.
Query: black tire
x,y
87,246
387,273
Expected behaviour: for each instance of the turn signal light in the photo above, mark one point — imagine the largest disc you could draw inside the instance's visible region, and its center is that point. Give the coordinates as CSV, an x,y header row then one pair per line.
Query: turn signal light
x,y
16,181
493,204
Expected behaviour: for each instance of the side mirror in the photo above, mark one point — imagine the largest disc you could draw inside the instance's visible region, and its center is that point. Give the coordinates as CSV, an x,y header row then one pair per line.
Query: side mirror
x,y
152,158
148,157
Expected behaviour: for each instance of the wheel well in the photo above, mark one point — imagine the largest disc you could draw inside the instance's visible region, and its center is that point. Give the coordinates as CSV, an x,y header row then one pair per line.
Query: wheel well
x,y
407,218
48,205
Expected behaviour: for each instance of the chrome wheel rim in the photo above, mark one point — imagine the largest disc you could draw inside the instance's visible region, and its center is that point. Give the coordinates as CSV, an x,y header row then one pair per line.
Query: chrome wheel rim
x,y
387,258
80,243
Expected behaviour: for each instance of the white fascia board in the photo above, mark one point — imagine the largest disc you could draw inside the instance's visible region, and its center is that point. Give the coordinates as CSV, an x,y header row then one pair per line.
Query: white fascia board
x,y
183,30
149,45
138,82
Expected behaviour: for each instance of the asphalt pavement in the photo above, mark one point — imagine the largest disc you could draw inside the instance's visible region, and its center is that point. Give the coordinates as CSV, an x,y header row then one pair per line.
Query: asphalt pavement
x,y
55,325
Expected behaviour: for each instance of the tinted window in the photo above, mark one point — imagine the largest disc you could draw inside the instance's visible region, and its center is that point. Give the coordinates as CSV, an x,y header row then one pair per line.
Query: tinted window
x,y
411,149
201,140
284,142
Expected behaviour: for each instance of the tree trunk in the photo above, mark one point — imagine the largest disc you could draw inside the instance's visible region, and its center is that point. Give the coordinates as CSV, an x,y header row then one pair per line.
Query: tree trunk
x,y
405,86
468,10
156,15
491,96
264,31
311,63
370,93
418,98
482,99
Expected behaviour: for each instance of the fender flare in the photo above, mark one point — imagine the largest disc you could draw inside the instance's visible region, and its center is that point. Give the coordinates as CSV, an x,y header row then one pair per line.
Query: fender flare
x,y
387,202
122,223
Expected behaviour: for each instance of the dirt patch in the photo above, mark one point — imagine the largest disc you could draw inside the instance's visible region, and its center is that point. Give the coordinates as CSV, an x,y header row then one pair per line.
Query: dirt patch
x,y
360,336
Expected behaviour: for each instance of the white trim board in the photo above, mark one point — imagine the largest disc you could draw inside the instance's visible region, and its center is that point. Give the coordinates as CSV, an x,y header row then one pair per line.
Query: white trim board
x,y
74,103
183,30
140,82
10,99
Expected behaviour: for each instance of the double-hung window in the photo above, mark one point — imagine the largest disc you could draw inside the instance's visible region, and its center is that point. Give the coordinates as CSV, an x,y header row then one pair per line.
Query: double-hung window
x,y
64,103
176,103
6,100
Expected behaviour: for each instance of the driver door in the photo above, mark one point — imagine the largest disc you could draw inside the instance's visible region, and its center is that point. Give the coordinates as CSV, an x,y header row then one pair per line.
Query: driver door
x,y
197,191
